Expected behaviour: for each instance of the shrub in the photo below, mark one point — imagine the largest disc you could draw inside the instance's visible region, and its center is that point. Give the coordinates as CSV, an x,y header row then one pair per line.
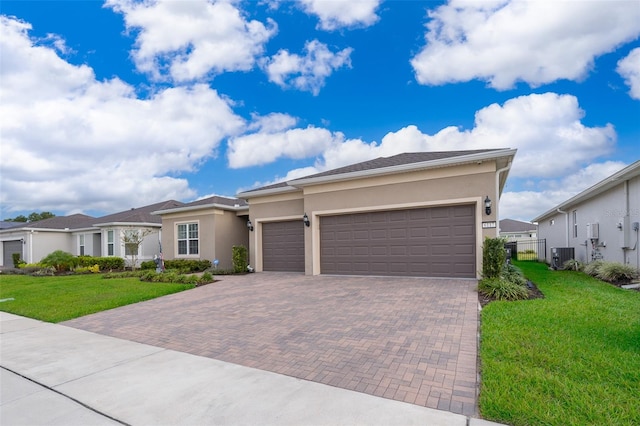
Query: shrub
x,y
87,269
493,257
147,265
110,263
502,289
61,260
187,265
593,268
206,278
16,260
239,255
615,272
572,264
514,274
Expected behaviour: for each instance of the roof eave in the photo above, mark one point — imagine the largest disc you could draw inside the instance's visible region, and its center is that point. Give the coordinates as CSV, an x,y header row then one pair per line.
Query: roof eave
x,y
264,192
147,224
201,207
444,162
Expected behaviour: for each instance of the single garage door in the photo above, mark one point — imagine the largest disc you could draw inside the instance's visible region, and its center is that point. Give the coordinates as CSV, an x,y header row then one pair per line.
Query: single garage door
x,y
283,246
427,242
8,248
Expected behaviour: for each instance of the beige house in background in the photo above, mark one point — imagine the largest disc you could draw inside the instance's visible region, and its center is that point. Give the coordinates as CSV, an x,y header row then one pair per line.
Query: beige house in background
x,y
412,214
205,229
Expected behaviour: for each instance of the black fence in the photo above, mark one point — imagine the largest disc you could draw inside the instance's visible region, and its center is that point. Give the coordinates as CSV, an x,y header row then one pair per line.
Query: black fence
x,y
535,250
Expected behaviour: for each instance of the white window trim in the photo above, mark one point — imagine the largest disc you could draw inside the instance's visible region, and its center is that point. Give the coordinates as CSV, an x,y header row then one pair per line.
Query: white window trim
x,y
175,230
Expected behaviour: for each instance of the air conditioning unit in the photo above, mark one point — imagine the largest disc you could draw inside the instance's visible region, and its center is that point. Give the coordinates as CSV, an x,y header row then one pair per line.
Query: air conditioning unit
x,y
593,231
559,255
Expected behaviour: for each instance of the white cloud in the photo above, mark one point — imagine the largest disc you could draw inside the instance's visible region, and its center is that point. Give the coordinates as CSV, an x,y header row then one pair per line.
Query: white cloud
x,y
337,14
70,142
308,72
629,69
538,42
526,205
192,39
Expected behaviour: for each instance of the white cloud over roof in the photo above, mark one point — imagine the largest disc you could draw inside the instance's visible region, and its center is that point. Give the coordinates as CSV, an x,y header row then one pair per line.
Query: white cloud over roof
x,y
67,136
538,42
189,40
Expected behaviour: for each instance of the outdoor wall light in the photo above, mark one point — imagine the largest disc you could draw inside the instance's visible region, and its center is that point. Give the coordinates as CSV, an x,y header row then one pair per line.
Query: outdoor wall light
x,y
487,205
250,225
305,220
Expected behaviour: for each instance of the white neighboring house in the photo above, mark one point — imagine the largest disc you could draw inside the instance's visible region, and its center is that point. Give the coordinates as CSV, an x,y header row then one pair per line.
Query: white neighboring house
x,y
80,234
523,238
601,222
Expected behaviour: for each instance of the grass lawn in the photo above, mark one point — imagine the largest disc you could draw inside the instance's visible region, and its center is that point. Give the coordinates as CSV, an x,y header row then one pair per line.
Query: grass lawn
x,y
572,358
55,299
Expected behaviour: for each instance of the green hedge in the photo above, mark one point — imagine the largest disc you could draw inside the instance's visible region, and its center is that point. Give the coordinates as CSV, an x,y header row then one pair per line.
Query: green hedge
x,y
183,265
111,263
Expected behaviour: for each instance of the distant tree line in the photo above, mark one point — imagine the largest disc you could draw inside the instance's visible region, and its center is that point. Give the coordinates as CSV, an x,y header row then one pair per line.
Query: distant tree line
x,y
33,217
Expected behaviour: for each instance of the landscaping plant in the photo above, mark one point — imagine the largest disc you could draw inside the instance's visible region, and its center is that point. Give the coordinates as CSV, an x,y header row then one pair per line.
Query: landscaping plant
x,y
240,257
500,280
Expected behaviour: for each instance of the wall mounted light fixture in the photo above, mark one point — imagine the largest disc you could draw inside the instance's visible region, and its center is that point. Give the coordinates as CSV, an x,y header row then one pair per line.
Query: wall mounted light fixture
x,y
487,205
305,220
250,225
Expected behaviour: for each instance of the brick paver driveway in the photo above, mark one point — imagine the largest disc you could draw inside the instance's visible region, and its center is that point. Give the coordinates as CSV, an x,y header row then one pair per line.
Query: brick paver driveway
x,y
408,339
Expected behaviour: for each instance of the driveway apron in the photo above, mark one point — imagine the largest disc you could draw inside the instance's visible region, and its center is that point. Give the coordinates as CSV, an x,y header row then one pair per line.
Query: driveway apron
x,y
407,339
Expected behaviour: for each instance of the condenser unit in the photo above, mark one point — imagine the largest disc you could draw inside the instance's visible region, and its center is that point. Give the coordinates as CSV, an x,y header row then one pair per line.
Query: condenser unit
x,y
559,255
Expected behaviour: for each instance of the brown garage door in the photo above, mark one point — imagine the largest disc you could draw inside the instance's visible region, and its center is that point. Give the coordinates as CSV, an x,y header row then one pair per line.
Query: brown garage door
x,y
429,242
283,246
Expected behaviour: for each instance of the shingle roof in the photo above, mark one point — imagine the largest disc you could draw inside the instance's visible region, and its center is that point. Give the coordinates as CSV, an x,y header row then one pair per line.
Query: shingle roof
x,y
381,163
140,214
511,225
5,224
74,221
217,199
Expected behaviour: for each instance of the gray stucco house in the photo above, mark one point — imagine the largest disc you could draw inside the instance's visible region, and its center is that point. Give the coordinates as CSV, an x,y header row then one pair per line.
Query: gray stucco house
x,y
599,223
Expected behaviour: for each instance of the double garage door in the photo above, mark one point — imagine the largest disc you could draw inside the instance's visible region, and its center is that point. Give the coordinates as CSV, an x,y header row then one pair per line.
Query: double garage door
x,y
430,242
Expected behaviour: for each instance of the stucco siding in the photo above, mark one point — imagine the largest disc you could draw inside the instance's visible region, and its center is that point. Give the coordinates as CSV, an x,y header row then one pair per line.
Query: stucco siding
x,y
231,230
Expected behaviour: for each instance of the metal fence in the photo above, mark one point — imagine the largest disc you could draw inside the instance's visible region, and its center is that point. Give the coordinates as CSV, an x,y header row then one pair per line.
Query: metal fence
x,y
527,249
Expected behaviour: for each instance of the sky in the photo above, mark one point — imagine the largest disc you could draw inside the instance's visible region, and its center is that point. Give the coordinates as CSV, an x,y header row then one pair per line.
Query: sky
x,y
105,106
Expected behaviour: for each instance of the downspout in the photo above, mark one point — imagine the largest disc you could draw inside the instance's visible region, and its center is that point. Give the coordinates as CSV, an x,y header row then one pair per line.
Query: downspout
x,y
566,226
498,172
30,247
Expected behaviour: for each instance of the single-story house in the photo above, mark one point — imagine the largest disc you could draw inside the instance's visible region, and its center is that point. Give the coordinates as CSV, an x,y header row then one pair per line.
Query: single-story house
x,y
517,230
80,234
205,229
598,223
413,214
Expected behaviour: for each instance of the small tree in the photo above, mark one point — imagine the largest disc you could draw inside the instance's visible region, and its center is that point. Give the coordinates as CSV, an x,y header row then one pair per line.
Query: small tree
x,y
493,257
132,240
239,259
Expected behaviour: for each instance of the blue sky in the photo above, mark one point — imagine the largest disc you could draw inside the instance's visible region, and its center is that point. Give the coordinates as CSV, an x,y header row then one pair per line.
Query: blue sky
x,y
111,105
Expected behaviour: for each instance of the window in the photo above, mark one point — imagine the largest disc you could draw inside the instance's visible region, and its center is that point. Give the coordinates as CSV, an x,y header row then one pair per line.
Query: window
x,y
110,246
188,239
81,244
575,223
132,242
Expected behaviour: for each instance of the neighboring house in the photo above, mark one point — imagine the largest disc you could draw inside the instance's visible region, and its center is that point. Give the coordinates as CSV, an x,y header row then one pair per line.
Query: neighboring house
x,y
80,234
516,230
521,239
598,223
113,228
412,214
35,240
205,229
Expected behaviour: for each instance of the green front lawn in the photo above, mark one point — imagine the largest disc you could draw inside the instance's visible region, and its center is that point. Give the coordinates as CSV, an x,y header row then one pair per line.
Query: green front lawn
x,y
60,298
572,358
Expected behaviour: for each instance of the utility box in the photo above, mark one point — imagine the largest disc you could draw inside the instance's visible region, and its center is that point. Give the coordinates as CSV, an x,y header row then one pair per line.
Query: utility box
x,y
625,237
559,255
593,231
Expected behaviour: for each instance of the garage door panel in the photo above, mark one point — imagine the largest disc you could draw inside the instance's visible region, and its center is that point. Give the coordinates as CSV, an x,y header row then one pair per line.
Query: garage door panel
x,y
436,241
283,246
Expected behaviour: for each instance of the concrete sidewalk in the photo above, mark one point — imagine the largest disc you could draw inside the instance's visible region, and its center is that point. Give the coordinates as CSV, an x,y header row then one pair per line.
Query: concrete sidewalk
x,y
57,375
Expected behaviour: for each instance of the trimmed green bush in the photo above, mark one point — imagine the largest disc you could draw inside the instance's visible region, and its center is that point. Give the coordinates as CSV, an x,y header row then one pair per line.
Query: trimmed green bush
x,y
494,257
16,260
502,289
187,265
148,265
110,263
240,256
